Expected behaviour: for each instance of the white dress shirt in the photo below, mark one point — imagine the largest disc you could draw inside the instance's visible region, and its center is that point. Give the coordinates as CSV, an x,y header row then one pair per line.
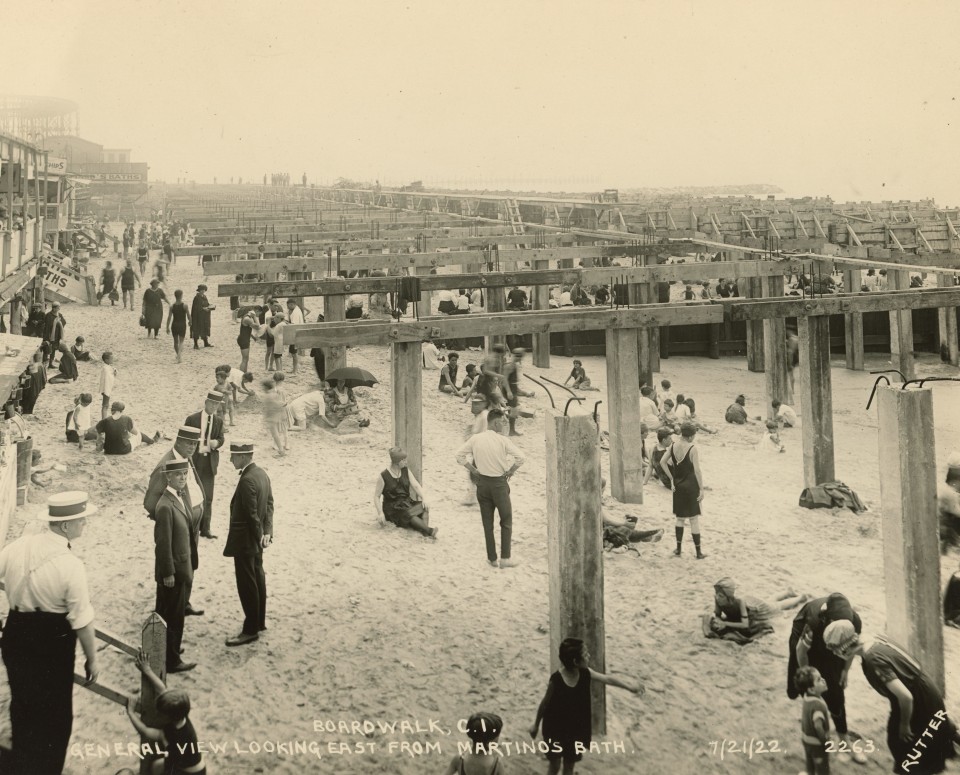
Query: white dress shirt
x,y
491,453
41,574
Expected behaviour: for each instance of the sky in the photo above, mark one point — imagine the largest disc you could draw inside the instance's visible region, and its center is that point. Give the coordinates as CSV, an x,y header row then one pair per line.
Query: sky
x,y
856,100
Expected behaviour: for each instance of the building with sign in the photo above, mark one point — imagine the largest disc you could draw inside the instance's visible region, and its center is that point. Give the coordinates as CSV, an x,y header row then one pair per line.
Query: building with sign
x,y
109,170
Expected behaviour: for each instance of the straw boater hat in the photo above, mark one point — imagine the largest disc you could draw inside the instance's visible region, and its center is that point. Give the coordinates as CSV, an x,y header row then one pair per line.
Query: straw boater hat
x,y
241,447
176,465
188,433
214,395
65,506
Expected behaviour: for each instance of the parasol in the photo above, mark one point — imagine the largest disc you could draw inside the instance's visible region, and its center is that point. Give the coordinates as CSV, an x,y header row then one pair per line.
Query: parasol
x,y
352,376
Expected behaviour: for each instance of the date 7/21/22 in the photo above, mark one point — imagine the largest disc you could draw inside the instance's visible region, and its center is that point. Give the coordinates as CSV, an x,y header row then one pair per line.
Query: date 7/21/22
x,y
753,746
744,747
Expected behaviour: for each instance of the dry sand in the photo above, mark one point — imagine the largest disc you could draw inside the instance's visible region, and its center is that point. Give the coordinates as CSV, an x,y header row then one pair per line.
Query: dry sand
x,y
379,624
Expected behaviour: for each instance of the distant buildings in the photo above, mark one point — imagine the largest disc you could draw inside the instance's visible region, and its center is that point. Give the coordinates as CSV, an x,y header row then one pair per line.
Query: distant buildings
x,y
109,170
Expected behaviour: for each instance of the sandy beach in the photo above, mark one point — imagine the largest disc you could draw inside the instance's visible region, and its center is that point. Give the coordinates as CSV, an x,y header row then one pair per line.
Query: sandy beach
x,y
376,624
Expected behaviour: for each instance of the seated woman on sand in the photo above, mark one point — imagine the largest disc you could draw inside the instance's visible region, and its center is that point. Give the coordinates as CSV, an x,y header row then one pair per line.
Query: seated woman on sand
x,y
403,502
743,619
340,404
580,379
692,416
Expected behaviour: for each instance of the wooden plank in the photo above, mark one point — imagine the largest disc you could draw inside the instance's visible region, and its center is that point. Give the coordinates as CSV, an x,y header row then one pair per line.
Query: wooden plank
x,y
432,258
575,543
115,695
406,367
153,641
477,324
816,400
623,415
947,325
908,504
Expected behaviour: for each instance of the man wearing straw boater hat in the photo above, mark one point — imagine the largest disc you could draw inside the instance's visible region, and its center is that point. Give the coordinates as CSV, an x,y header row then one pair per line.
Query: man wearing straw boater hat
x,y
174,541
50,610
207,456
251,531
183,448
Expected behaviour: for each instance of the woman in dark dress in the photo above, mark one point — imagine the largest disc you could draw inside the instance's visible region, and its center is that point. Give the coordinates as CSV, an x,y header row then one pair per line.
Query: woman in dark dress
x,y
682,466
807,648
396,485
200,318
153,299
178,318
919,733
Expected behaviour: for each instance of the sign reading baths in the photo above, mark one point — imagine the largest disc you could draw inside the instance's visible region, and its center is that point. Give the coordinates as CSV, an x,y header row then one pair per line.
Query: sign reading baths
x,y
116,177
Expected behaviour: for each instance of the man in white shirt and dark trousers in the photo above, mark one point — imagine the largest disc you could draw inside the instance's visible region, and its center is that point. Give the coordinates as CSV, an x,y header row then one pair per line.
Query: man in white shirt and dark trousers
x,y
487,456
207,457
50,610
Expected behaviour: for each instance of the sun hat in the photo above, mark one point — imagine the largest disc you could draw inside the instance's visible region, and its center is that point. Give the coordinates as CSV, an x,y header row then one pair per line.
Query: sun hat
x,y
65,506
241,447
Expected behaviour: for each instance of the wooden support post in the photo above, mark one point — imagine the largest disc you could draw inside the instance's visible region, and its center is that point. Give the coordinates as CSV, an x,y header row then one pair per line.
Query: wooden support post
x,y
853,324
623,415
153,641
541,300
15,316
776,359
901,328
334,308
406,365
575,543
496,301
948,324
753,289
426,298
816,400
648,295
639,293
908,503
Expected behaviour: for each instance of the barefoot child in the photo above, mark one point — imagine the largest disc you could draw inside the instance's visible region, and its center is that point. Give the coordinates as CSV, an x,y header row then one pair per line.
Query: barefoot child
x,y
274,413
482,729
565,708
177,734
580,379
770,441
815,720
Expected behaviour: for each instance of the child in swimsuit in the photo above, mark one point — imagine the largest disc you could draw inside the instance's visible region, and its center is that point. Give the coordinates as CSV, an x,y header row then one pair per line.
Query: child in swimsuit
x,y
483,729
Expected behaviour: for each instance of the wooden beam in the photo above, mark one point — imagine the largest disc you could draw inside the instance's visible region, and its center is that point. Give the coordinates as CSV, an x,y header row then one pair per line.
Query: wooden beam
x,y
357,332
623,415
406,367
746,221
575,544
508,240
841,303
947,325
451,257
853,325
538,276
114,695
908,504
816,400
816,222
851,234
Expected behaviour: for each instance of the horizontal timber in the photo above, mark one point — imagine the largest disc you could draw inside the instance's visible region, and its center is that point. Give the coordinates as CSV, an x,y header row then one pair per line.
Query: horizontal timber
x,y
841,303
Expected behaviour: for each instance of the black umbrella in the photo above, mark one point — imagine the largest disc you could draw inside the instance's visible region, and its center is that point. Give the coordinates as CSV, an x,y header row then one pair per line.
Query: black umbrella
x,y
352,376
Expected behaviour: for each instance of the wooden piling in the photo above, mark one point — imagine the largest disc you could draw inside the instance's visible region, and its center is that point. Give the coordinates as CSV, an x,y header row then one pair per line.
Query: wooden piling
x,y
908,502
752,288
776,359
901,328
541,300
334,309
575,542
406,366
853,324
816,398
947,329
495,301
623,415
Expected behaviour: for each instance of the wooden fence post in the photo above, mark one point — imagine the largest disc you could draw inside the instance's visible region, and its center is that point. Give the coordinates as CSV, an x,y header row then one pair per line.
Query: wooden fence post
x,y
623,415
752,288
947,324
541,300
776,360
853,324
575,542
901,328
908,502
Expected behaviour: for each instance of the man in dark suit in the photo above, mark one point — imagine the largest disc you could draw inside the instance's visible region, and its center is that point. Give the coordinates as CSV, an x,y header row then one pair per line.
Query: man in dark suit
x,y
173,568
183,448
207,456
251,531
